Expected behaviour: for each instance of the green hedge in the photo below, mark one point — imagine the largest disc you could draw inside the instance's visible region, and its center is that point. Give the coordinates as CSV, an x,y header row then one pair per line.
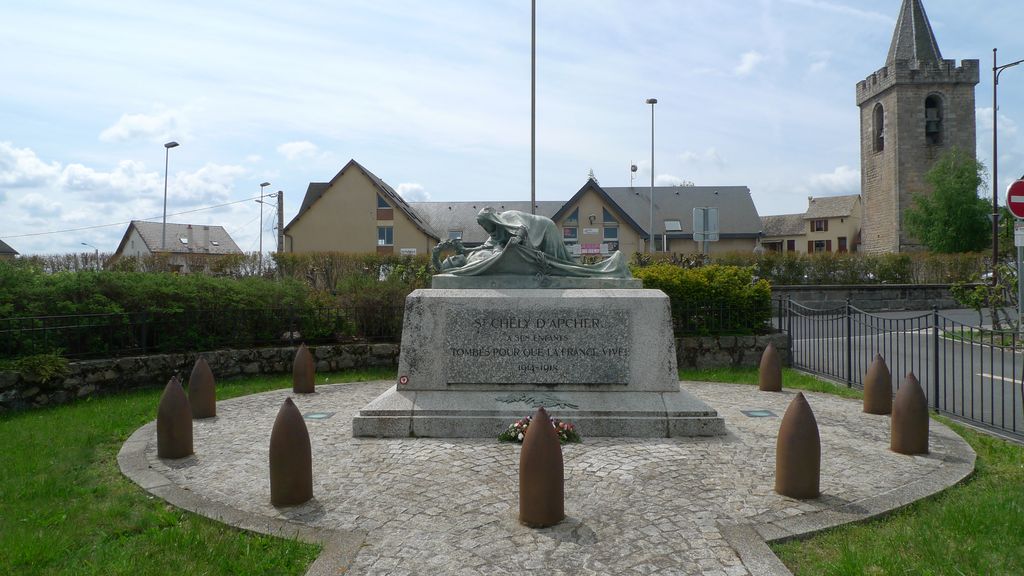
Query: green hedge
x,y
857,268
711,299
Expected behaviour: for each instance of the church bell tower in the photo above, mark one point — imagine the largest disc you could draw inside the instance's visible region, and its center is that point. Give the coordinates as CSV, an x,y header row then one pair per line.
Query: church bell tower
x,y
912,111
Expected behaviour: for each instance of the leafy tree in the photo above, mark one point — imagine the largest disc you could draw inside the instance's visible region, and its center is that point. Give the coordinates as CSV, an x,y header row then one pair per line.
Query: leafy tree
x,y
952,218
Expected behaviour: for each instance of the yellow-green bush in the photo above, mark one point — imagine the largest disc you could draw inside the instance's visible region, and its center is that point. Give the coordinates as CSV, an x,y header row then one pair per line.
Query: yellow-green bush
x,y
713,299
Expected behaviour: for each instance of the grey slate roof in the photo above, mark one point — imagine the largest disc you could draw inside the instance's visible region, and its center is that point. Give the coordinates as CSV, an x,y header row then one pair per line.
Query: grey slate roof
x,y
203,239
445,216
831,206
317,189
783,225
737,216
5,249
913,38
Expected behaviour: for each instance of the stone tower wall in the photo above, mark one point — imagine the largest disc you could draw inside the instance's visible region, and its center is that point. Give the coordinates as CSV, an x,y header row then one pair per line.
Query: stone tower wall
x,y
891,178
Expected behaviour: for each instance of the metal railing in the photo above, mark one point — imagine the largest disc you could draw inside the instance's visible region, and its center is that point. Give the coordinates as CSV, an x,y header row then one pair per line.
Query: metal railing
x,y
123,334
966,371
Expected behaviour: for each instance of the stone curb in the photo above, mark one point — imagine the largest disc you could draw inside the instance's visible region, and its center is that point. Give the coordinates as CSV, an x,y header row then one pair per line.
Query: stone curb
x,y
749,540
339,546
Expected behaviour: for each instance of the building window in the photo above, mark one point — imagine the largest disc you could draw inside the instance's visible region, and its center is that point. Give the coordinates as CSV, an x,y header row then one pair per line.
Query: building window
x,y
611,233
933,120
790,245
573,218
455,234
384,210
608,218
879,128
842,243
819,225
659,243
570,234
819,246
772,246
385,236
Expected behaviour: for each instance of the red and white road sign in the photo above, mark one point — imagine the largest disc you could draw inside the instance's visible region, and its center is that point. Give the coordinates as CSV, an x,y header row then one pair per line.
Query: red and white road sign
x,y
1015,198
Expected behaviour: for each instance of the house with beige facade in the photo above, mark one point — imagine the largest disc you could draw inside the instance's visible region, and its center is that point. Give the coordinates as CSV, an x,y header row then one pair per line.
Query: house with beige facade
x,y
188,247
358,212
831,224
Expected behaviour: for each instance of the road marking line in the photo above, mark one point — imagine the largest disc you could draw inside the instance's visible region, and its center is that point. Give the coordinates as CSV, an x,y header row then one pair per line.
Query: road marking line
x,y
994,377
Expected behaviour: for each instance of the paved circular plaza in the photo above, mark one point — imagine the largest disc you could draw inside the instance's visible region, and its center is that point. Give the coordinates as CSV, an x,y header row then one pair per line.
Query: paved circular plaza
x,y
644,506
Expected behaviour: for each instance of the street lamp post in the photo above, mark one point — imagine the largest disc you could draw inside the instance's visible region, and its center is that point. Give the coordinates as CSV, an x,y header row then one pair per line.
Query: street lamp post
x,y
996,71
167,156
650,240
97,252
260,201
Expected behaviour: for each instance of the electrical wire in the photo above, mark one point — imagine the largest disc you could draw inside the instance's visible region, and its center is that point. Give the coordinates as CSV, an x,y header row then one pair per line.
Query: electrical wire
x,y
128,221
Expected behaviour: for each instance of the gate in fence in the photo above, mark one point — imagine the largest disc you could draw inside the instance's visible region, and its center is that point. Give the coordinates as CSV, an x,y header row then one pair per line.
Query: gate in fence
x,y
968,372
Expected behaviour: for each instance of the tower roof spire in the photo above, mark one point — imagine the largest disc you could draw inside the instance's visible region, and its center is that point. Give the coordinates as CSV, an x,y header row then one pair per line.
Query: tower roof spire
x,y
913,38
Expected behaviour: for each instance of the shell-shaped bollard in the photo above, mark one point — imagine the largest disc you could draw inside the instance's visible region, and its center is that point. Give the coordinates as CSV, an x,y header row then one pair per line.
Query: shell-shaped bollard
x,y
173,422
878,388
798,452
303,372
769,377
541,474
202,390
291,458
909,434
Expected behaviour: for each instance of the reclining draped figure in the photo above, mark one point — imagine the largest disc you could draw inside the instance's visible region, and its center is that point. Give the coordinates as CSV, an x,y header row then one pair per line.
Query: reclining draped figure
x,y
521,244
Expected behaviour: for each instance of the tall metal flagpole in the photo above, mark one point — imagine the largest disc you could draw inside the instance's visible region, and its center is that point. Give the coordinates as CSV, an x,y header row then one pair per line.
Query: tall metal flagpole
x,y
533,107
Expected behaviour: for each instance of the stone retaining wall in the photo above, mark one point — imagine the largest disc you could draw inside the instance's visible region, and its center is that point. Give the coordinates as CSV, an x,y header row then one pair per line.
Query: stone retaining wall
x,y
700,352
93,377
870,297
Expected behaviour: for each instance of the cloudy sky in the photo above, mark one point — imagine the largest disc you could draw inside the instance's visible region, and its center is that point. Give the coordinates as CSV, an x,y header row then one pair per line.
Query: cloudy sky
x,y
434,97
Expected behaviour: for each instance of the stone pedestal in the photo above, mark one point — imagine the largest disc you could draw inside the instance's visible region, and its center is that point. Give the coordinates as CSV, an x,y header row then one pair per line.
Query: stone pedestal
x,y
474,360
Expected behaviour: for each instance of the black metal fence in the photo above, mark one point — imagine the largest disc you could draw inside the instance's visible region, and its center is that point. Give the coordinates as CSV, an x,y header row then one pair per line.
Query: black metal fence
x,y
107,335
968,372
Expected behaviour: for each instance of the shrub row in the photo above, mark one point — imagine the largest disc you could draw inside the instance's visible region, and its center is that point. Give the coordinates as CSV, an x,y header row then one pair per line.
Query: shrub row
x,y
788,268
712,299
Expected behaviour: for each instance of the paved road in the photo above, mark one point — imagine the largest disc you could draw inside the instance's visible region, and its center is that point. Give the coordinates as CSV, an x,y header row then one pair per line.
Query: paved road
x,y
971,378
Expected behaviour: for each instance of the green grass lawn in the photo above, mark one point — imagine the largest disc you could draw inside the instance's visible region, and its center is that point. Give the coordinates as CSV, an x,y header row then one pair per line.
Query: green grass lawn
x,y
976,527
65,508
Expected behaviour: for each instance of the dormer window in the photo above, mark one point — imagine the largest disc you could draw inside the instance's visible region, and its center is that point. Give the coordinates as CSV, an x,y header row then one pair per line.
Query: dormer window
x,y
673,226
214,243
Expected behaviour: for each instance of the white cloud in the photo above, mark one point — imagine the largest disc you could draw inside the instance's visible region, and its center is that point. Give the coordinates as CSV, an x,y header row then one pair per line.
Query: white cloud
x,y
413,192
671,180
819,61
161,126
21,168
1007,127
295,150
39,206
127,181
211,184
843,9
709,156
748,62
842,180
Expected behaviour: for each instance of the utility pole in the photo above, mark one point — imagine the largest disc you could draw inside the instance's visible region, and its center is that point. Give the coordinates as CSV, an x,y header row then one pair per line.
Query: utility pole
x,y
280,222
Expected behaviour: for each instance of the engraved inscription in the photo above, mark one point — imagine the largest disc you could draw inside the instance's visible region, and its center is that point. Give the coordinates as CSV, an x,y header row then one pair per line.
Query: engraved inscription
x,y
569,346
537,400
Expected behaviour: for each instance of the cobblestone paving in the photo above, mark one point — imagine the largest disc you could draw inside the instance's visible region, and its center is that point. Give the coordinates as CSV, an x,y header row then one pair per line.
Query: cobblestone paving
x,y
634,506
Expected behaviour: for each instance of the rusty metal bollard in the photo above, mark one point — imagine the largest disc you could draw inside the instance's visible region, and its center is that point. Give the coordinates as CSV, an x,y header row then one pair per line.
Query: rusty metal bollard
x,y
173,422
291,458
878,388
541,474
202,390
769,375
909,433
303,372
798,452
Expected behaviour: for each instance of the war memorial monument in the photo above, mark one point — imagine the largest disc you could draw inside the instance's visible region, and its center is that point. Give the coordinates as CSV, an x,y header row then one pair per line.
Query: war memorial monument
x,y
515,324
